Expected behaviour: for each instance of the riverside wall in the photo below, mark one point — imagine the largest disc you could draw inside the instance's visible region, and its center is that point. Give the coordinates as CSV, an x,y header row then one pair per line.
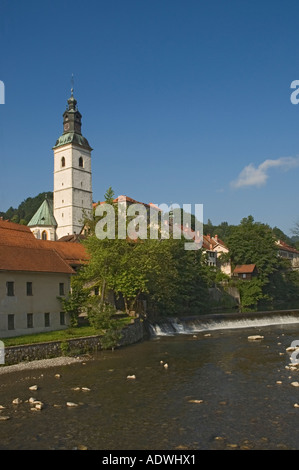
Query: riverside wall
x,y
131,334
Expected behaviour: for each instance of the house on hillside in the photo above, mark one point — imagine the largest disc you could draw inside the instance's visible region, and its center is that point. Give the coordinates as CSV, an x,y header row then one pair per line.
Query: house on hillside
x,y
214,248
33,274
288,252
245,272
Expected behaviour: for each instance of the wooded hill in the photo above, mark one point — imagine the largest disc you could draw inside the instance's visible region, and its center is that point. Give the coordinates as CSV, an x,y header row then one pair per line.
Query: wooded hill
x,y
26,209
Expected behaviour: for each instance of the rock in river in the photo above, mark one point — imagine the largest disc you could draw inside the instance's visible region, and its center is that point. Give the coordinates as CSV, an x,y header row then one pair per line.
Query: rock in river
x,y
255,337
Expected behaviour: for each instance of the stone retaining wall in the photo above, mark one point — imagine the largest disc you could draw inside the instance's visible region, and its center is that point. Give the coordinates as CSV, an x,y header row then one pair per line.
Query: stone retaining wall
x,y
131,334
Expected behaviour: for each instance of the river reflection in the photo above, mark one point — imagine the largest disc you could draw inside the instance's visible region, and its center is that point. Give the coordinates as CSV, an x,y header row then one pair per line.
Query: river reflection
x,y
218,392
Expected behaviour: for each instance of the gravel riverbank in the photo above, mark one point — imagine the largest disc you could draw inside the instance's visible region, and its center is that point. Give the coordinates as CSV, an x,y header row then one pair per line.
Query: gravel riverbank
x,y
41,364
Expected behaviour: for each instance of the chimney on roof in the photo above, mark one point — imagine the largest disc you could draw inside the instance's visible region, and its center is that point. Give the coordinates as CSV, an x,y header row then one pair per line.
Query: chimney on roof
x,y
216,238
209,237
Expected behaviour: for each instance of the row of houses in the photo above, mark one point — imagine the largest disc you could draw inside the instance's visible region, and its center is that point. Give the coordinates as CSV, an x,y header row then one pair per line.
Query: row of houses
x,y
214,248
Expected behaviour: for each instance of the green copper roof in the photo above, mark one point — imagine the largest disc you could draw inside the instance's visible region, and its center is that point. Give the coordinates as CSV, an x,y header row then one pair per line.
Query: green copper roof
x,y
72,137
44,215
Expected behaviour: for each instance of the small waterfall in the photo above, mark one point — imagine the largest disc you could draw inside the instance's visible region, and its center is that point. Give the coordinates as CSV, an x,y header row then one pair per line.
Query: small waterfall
x,y
202,323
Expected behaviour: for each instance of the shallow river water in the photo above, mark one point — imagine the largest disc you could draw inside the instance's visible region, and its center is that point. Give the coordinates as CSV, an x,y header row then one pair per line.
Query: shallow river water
x,y
218,392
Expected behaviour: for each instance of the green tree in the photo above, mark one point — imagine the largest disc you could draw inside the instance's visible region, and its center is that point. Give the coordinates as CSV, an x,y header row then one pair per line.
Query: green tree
x,y
254,243
109,195
75,302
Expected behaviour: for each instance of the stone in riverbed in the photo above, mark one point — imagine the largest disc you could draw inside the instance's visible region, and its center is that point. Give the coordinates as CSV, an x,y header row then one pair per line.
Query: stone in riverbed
x,y
39,406
33,387
17,401
71,404
4,418
255,337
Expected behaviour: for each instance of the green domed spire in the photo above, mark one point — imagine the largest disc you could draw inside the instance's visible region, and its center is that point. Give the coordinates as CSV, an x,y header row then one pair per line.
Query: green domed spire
x,y
72,125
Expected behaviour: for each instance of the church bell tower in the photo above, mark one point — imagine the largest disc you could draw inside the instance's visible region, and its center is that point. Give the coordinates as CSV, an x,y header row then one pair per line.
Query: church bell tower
x,y
72,174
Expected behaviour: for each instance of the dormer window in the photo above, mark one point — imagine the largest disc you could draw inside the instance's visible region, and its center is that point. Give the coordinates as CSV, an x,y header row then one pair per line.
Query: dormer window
x,y
81,162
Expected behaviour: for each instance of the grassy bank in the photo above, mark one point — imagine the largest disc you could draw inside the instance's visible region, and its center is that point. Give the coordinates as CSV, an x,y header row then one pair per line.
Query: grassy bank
x,y
60,335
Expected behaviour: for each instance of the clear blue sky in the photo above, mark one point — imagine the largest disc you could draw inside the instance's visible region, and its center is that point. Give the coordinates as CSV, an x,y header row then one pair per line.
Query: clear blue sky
x,y
183,101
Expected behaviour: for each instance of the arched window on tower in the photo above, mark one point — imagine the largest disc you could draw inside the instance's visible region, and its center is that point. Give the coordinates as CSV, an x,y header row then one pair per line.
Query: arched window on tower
x,y
81,162
44,235
63,162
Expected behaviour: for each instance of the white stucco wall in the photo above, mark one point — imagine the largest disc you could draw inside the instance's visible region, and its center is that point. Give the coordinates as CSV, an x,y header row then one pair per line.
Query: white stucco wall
x,y
45,290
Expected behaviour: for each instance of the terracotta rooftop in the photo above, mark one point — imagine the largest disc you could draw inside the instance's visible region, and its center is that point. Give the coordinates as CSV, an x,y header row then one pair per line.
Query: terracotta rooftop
x,y
244,268
18,240
130,200
20,258
285,247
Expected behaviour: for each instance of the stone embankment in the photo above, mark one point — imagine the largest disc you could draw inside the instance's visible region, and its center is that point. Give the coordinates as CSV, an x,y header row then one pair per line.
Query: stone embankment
x,y
131,334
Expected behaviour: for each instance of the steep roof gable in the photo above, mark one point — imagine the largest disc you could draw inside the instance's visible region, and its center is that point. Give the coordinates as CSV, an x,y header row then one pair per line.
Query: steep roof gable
x,y
44,215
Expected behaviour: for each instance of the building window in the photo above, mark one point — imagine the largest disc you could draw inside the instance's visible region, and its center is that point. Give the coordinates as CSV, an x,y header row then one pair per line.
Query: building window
x,y
61,288
11,322
10,289
63,162
81,162
29,288
62,318
44,235
47,319
29,320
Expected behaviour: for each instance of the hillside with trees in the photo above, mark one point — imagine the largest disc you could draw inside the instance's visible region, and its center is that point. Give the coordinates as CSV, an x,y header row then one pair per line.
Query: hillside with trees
x,y
26,209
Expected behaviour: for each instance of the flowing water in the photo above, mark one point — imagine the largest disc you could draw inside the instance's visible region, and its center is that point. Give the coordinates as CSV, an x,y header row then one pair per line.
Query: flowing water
x,y
219,391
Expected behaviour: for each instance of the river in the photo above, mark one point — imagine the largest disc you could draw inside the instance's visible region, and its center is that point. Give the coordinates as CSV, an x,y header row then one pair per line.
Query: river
x,y
218,391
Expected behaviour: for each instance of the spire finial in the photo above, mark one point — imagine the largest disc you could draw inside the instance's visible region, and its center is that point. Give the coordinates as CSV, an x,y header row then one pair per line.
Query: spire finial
x,y
72,85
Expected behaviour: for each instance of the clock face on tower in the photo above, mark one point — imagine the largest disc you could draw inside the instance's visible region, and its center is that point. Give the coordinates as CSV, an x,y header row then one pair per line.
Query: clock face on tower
x,y
66,126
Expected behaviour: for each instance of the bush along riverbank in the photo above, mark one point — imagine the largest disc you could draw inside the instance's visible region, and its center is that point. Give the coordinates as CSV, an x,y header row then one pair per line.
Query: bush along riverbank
x,y
66,346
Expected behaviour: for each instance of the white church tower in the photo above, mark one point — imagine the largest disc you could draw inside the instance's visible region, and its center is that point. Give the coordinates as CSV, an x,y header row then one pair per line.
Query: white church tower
x,y
72,199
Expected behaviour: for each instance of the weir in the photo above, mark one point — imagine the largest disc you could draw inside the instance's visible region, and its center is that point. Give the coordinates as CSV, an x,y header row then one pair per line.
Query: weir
x,y
205,323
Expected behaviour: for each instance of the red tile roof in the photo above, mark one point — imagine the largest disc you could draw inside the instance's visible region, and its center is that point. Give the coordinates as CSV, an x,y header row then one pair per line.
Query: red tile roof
x,y
72,253
285,247
20,258
244,268
19,241
130,200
